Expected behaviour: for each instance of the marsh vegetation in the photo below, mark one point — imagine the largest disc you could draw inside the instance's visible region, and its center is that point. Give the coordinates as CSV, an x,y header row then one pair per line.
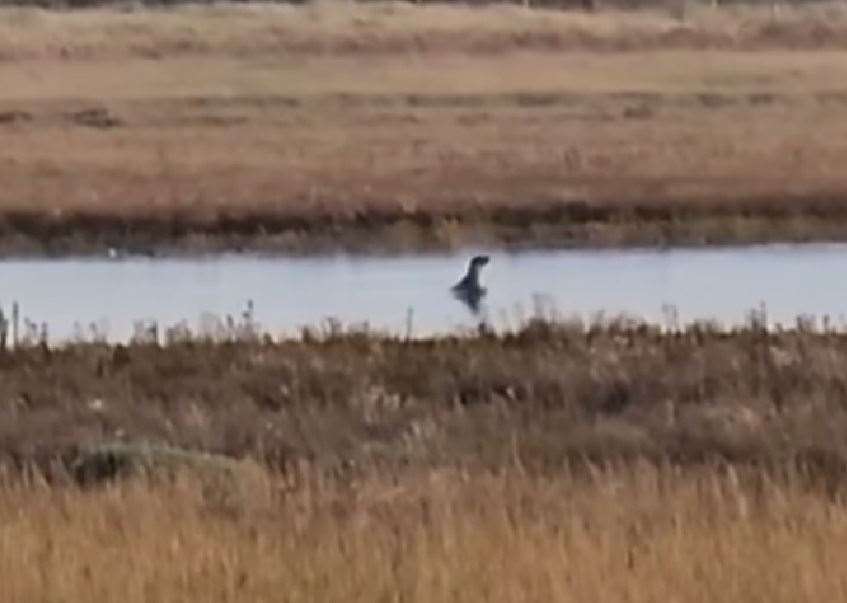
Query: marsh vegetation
x,y
617,462
613,460
547,394
400,127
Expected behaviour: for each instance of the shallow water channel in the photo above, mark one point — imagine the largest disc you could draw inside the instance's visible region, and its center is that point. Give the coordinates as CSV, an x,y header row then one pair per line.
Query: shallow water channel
x,y
288,292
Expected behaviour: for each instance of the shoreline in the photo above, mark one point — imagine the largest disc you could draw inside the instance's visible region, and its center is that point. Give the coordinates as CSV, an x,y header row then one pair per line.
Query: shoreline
x,y
568,226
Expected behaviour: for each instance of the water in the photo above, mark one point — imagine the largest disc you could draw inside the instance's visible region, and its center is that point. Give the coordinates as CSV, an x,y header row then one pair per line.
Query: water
x,y
718,283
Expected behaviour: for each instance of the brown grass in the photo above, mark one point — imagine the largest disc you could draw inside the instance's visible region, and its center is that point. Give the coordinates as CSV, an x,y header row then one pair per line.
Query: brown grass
x,y
617,463
630,533
416,169
547,396
397,27
227,141
428,155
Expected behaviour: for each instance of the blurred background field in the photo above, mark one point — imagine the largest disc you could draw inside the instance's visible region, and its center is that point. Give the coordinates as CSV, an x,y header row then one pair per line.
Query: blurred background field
x,y
620,127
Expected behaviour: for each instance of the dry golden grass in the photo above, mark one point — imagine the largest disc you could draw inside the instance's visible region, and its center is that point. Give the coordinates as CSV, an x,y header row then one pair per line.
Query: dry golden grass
x,y
632,533
661,72
553,464
363,116
400,153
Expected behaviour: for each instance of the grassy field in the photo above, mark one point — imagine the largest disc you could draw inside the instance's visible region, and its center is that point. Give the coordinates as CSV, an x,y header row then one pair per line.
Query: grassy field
x,y
560,462
633,534
397,127
616,463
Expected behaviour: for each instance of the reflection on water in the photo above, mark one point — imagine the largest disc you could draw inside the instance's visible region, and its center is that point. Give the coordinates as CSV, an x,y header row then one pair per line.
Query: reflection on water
x,y
288,293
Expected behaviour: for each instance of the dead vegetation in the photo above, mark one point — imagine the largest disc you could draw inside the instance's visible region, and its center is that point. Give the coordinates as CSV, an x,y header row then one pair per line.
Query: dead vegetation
x,y
617,463
388,172
239,134
634,533
546,395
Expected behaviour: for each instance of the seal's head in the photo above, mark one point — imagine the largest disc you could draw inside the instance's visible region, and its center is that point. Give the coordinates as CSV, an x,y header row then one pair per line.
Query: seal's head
x,y
479,261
